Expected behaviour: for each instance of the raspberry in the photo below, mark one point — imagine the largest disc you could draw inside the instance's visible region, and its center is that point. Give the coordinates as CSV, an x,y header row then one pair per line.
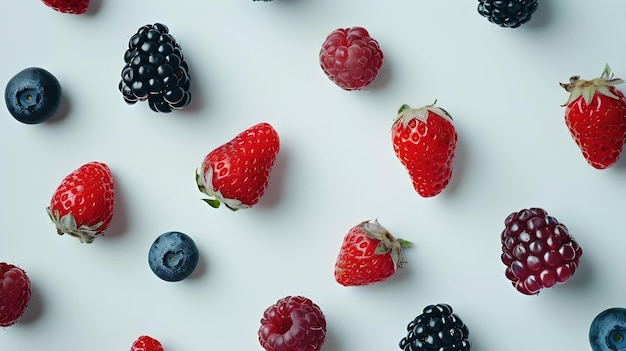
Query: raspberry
x,y
146,343
538,251
294,323
436,329
507,13
155,70
351,58
14,293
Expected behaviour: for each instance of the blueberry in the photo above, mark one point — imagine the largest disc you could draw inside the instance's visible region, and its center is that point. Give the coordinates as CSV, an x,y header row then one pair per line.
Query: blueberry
x,y
608,330
173,256
33,95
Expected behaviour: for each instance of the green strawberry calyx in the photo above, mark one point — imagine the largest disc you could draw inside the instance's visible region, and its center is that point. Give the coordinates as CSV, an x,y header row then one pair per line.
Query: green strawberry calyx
x,y
588,88
204,180
406,113
387,242
67,225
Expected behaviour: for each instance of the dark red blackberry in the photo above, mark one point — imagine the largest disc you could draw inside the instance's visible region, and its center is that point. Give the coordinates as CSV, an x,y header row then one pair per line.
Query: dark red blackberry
x,y
155,70
436,329
538,251
507,13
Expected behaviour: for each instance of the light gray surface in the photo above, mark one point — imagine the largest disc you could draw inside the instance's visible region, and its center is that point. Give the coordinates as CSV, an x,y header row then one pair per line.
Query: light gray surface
x,y
255,61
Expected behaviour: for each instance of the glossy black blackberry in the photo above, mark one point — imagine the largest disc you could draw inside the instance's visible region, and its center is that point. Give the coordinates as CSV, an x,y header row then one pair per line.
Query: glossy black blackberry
x,y
507,13
155,70
436,329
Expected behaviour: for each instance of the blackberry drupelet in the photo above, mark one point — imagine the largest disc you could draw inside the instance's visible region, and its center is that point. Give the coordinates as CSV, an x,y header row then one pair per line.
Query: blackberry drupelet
x,y
155,70
507,13
436,329
538,251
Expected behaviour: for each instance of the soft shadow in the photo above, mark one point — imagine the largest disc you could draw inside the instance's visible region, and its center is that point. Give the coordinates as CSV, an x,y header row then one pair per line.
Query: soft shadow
x,y
35,306
582,278
195,88
276,182
382,80
62,111
541,18
94,7
119,224
331,343
458,168
201,268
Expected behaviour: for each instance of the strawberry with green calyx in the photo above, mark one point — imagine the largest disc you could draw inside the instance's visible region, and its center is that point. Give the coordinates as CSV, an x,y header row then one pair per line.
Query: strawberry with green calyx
x,y
369,254
237,172
595,114
424,140
82,205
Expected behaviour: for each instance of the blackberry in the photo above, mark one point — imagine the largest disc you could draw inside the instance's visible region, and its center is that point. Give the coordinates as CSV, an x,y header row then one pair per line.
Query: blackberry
x,y
436,329
155,70
537,250
507,13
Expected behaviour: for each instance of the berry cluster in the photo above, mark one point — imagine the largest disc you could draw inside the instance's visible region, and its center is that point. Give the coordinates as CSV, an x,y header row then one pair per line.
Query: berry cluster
x,y
538,251
155,70
436,329
507,13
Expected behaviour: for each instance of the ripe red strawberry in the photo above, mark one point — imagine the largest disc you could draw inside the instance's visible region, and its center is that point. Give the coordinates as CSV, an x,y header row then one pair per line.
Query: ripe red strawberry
x,y
595,114
538,251
237,173
146,343
369,254
351,58
75,7
424,140
14,293
82,205
294,323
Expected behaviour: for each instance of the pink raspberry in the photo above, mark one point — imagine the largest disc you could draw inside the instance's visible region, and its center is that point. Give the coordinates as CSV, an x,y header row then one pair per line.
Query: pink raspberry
x,y
538,251
14,293
294,323
351,58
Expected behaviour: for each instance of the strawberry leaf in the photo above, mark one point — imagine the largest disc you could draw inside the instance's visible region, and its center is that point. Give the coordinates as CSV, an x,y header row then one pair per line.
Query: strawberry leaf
x,y
212,202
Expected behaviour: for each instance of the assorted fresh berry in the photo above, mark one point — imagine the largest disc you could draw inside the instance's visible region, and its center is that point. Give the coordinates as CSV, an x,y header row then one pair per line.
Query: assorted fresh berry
x,y
369,254
438,328
595,114
294,323
538,251
608,330
507,13
33,95
173,256
351,58
15,293
82,205
75,7
146,343
237,173
424,140
155,70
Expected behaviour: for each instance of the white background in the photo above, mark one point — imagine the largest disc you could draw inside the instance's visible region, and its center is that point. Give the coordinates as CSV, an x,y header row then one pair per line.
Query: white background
x,y
255,61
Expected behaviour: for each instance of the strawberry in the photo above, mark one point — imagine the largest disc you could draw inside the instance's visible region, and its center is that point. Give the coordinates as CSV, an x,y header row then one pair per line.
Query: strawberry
x,y
15,293
237,173
146,343
76,7
82,205
595,115
369,254
424,140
